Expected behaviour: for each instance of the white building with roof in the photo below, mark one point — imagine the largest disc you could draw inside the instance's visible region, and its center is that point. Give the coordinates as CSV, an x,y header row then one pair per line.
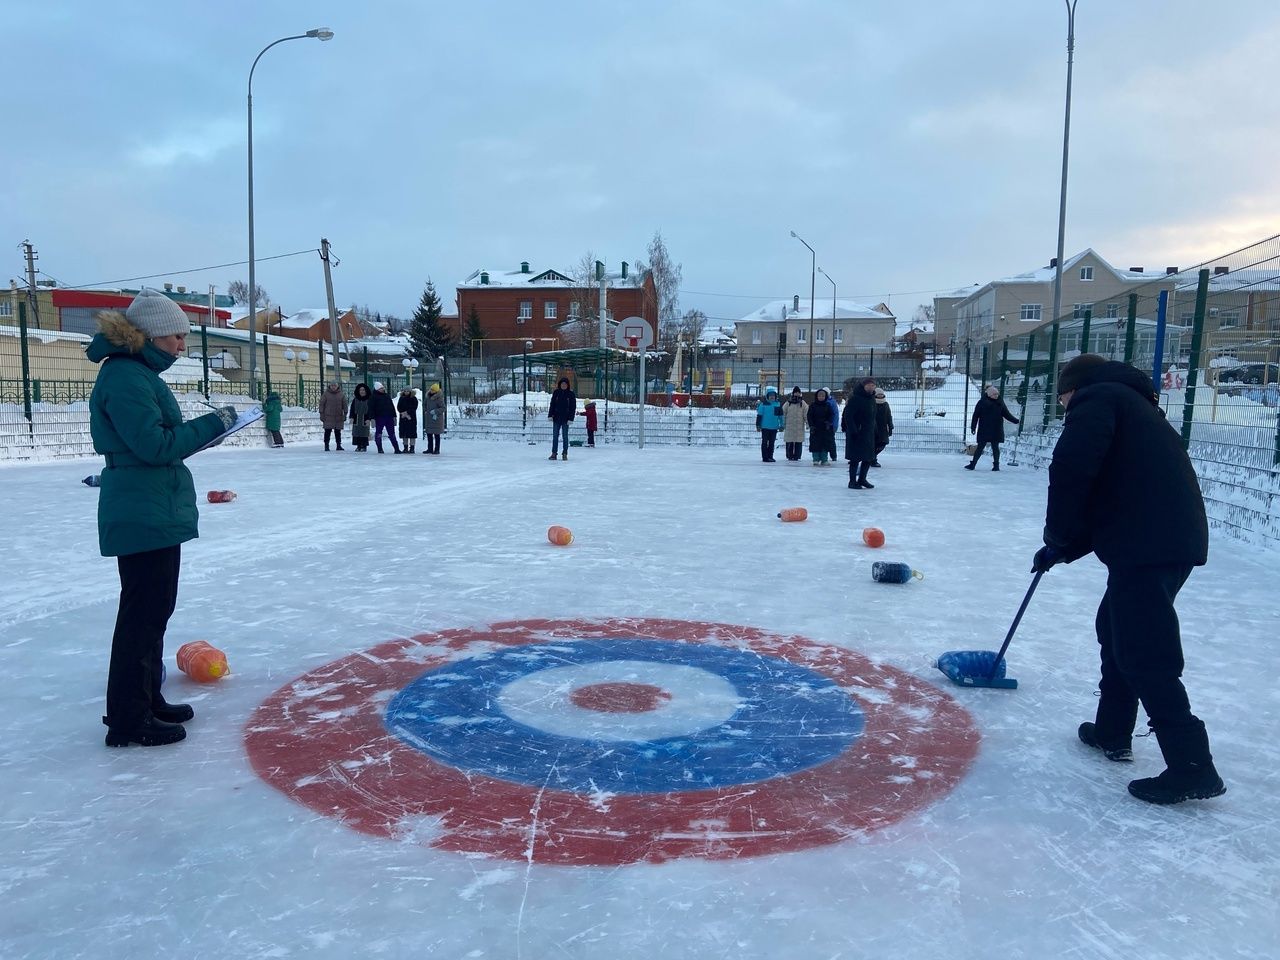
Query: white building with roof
x,y
838,329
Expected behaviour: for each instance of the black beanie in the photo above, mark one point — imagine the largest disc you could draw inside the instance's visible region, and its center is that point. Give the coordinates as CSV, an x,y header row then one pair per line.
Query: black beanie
x,y
1073,375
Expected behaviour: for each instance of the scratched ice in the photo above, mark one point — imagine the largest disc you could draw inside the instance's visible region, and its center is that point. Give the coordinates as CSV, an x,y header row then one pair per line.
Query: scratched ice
x,y
1037,851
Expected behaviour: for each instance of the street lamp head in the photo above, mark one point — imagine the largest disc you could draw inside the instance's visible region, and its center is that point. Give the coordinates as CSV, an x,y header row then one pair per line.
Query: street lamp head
x,y
793,233
288,353
303,356
321,33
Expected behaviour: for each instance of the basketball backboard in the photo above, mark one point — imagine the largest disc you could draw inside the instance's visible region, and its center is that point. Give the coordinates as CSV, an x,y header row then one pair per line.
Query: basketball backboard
x,y
633,333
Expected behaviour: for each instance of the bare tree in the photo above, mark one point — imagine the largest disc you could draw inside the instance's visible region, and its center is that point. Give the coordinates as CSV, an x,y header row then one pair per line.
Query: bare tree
x,y
238,290
581,327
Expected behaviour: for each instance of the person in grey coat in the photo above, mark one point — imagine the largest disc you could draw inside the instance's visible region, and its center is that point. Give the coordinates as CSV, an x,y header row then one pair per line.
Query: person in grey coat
x,y
333,412
433,418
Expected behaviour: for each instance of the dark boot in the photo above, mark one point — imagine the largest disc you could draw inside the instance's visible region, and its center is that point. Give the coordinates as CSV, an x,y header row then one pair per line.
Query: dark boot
x,y
972,464
149,733
995,467
172,712
853,476
1190,774
862,476
1121,753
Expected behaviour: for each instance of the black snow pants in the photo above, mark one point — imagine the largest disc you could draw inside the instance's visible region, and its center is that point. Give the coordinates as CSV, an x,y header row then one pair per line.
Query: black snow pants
x,y
148,595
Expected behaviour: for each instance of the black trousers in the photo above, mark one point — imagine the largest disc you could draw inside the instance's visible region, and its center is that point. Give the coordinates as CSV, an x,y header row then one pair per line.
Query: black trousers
x,y
591,437
995,452
768,438
328,432
276,438
858,470
795,450
433,443
1141,652
148,595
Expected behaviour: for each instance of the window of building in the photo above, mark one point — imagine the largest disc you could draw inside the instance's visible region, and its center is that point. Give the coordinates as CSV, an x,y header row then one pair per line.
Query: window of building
x,y
820,335
1030,311
802,335
1086,273
78,319
1113,311
837,335
549,309
575,310
755,336
1229,318
1187,319
6,308
1081,309
526,309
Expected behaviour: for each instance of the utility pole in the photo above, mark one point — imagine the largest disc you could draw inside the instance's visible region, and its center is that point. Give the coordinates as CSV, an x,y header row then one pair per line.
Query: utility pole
x,y
604,323
31,281
333,310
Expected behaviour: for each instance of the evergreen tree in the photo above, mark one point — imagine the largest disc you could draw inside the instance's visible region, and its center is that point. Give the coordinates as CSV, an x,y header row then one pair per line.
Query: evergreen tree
x,y
428,337
474,330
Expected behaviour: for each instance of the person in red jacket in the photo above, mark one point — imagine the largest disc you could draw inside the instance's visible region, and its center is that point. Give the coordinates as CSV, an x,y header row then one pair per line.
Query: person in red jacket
x,y
591,423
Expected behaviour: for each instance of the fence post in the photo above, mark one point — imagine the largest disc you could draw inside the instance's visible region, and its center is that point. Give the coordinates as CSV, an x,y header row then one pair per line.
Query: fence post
x,y
1130,328
366,367
26,366
1162,319
266,364
985,365
1084,331
871,367
966,388
1026,381
204,356
320,364
1051,378
1004,366
1193,372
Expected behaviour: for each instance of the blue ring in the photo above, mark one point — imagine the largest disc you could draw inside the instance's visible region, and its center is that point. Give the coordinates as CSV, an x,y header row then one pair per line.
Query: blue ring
x,y
792,718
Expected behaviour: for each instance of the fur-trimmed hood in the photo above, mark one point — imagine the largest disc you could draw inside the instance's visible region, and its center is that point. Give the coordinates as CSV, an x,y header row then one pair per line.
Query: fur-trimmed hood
x,y
120,338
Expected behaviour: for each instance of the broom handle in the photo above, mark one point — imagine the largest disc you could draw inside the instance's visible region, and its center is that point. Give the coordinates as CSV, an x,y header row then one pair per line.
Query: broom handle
x,y
1035,581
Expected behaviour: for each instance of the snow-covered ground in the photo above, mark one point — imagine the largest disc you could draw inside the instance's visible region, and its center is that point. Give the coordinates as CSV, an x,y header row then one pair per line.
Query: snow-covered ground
x,y
997,834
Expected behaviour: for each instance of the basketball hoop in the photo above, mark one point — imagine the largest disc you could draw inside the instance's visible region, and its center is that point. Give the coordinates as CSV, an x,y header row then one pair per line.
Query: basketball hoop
x,y
634,341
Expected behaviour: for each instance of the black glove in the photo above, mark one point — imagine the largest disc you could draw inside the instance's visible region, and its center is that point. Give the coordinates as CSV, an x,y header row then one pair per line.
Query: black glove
x,y
1046,559
228,416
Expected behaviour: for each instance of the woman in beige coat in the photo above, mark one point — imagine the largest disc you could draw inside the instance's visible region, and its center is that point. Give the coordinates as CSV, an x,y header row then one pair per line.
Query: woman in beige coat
x,y
794,411
333,412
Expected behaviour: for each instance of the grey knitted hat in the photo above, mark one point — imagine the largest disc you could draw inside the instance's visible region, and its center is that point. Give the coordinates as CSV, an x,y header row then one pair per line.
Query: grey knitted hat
x,y
156,315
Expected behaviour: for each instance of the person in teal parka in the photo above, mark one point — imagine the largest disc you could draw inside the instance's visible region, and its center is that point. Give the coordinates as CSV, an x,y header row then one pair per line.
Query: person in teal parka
x,y
769,420
146,504
271,409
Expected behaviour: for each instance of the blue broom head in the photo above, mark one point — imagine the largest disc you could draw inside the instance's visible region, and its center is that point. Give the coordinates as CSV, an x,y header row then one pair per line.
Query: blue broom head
x,y
963,666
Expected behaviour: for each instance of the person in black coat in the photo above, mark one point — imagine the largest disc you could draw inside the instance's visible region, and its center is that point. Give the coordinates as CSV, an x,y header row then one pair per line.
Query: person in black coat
x,y
563,408
383,412
407,406
884,424
822,428
859,425
989,415
1122,487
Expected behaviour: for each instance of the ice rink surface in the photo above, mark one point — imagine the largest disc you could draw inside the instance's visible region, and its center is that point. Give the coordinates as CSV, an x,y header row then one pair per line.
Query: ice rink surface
x,y
336,798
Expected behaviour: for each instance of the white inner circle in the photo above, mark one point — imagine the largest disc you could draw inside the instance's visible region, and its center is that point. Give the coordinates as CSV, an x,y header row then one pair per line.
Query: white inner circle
x,y
699,700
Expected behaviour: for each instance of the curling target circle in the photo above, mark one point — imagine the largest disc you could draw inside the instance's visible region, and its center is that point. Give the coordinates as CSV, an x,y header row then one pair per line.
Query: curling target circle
x,y
611,741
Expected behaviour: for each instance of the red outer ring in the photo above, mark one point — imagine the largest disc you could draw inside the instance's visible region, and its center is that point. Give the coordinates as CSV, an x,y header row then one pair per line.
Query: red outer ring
x,y
321,740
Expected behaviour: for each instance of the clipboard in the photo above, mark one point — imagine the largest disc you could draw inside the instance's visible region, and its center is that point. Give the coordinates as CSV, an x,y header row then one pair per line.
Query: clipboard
x,y
252,415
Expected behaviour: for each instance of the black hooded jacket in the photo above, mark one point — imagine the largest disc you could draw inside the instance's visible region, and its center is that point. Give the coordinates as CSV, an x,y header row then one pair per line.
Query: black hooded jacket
x,y
1120,484
859,424
564,403
988,419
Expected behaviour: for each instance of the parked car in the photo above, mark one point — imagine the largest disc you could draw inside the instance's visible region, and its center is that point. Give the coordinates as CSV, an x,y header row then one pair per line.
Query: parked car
x,y
1251,373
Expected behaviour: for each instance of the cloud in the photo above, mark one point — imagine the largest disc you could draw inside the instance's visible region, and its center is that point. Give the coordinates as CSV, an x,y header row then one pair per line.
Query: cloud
x,y
190,142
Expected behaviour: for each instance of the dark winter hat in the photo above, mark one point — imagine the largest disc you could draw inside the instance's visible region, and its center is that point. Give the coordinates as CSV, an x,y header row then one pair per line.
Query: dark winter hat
x,y
1077,371
564,381
156,315
796,390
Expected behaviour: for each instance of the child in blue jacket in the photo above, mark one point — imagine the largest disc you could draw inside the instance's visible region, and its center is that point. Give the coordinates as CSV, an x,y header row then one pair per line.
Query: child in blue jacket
x,y
769,420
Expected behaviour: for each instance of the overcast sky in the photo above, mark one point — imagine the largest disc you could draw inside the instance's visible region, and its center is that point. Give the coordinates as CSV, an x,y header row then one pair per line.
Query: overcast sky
x,y
916,146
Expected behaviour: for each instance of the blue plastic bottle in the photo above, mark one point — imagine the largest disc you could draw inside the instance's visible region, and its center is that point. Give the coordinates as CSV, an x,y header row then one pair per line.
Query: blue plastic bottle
x,y
893,571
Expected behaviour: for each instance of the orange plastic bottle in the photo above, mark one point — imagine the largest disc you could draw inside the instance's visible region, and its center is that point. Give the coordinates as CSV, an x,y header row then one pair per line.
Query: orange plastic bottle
x,y
873,536
202,662
560,536
793,514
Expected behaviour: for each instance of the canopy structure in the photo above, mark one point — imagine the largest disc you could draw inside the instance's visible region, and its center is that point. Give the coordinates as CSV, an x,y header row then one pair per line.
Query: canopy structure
x,y
603,371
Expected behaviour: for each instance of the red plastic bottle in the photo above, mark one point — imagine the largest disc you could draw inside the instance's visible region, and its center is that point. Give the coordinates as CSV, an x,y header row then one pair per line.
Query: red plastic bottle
x,y
793,514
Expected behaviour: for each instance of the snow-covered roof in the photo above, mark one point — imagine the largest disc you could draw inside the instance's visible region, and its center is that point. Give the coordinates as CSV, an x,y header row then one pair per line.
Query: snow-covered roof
x,y
717,337
45,336
960,292
546,277
1244,280
779,311
305,319
397,346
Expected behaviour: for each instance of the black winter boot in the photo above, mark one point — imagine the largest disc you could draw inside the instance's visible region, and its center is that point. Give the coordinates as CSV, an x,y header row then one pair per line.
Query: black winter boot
x,y
1190,774
149,733
862,476
172,712
972,464
1121,753
853,476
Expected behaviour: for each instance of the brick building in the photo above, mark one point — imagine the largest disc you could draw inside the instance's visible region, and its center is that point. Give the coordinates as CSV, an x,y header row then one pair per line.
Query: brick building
x,y
523,304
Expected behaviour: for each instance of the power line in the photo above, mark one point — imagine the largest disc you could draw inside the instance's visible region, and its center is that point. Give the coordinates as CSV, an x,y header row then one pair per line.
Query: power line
x,y
174,273
855,296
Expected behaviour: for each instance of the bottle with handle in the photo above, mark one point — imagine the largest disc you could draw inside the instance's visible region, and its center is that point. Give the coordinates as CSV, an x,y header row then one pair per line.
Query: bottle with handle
x,y
202,662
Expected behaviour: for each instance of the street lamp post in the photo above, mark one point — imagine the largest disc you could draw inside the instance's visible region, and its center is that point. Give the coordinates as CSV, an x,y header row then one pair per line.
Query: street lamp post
x,y
297,359
833,322
813,267
1066,150
319,33
410,365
